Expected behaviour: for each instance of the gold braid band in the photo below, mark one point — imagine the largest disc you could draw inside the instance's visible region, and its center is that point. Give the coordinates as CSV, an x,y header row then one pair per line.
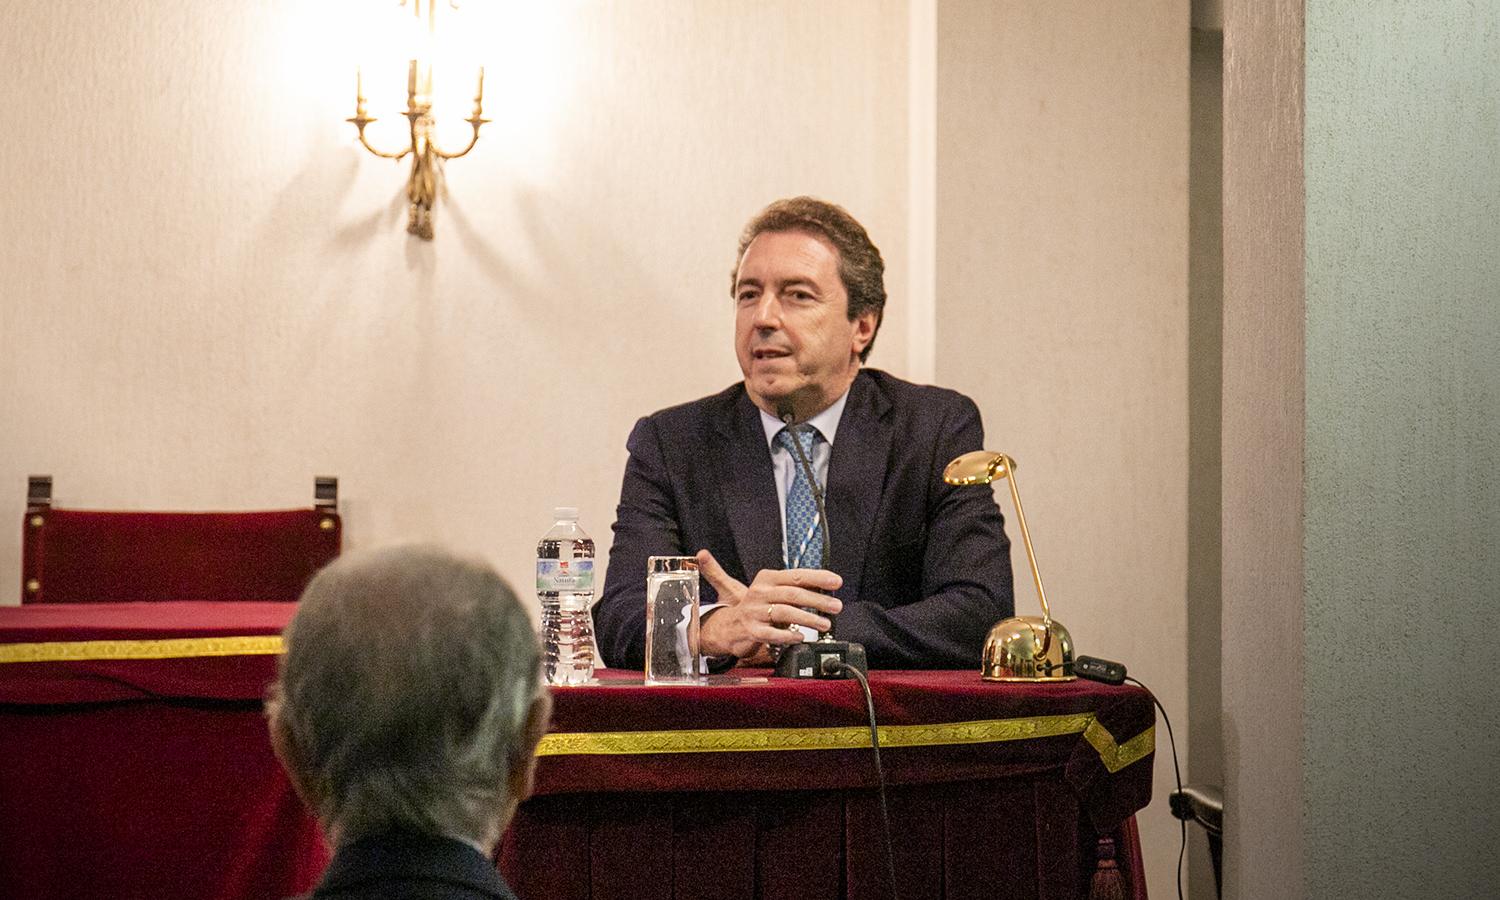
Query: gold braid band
x,y
742,740
166,648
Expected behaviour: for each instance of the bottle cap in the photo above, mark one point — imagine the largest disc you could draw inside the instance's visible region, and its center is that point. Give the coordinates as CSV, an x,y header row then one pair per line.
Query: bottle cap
x,y
565,513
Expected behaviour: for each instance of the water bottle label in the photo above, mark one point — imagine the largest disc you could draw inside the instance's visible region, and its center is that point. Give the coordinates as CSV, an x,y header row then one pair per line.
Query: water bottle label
x,y
562,575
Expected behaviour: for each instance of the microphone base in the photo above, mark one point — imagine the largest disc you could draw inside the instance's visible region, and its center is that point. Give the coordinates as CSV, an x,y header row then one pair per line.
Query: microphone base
x,y
820,659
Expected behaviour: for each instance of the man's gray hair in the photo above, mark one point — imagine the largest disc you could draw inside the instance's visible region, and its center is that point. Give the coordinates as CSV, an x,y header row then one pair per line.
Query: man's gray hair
x,y
404,692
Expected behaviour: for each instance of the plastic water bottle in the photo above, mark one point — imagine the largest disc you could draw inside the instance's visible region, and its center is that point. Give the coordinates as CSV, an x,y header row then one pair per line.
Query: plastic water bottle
x,y
565,588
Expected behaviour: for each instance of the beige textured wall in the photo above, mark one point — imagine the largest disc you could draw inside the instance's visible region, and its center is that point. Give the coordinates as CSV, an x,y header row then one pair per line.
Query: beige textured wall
x,y
1263,430
1062,309
207,295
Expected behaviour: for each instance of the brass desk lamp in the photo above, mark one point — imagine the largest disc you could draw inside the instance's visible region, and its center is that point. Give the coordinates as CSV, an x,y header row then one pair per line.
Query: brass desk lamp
x,y
1020,648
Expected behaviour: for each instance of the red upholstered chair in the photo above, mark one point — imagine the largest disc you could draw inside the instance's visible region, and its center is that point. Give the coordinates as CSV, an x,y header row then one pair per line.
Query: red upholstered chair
x,y
84,556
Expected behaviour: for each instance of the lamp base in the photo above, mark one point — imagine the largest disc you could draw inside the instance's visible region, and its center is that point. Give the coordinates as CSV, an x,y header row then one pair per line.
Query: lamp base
x,y
1028,649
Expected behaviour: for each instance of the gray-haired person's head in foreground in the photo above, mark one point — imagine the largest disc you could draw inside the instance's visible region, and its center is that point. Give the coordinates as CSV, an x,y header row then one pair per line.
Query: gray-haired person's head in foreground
x,y
410,697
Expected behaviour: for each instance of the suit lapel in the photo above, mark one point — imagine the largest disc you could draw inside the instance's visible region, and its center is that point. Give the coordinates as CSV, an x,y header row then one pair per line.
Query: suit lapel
x,y
856,479
749,487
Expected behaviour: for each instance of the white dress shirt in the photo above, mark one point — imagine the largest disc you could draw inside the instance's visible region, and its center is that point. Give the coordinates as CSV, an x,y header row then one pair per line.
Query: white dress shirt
x,y
784,466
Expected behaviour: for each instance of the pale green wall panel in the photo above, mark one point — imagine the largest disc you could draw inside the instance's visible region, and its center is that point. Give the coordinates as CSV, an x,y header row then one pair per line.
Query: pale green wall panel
x,y
1402,471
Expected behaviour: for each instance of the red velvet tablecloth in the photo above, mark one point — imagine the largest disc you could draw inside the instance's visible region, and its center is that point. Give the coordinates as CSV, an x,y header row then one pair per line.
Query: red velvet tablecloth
x,y
137,765
938,727
136,762
71,653
766,789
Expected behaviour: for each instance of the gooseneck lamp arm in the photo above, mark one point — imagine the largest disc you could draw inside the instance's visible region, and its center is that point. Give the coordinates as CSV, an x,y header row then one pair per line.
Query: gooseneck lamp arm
x,y
1036,574
1018,648
983,467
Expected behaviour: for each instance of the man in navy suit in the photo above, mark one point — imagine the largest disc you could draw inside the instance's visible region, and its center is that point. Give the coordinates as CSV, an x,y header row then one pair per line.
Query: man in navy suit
x,y
918,570
407,710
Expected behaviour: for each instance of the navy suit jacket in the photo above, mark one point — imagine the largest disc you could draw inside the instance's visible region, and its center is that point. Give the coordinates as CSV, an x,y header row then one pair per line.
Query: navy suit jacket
x,y
926,566
403,865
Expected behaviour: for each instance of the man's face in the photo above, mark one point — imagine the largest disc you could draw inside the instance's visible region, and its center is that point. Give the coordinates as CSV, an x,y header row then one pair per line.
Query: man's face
x,y
792,331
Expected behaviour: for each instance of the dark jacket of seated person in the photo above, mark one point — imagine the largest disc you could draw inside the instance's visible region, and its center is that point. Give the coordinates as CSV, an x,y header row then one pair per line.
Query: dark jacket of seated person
x,y
404,865
925,565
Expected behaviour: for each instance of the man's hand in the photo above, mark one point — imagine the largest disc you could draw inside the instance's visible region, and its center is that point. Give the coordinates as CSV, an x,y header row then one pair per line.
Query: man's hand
x,y
762,613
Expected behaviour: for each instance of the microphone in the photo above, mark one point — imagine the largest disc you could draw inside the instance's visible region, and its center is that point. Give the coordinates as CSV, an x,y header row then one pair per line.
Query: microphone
x,y
825,657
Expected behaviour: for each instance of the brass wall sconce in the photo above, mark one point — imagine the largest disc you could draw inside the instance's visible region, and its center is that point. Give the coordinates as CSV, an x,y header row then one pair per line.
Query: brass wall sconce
x,y
426,156
1020,648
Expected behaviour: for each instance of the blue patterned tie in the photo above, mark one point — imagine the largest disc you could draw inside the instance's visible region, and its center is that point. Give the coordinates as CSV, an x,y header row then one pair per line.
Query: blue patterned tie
x,y
804,531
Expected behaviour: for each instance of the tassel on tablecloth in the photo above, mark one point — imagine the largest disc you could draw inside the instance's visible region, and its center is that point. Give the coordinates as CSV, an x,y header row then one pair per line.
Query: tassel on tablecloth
x,y
1109,883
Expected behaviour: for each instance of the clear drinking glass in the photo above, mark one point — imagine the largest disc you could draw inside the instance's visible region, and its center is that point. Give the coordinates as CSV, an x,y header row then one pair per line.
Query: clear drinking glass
x,y
672,649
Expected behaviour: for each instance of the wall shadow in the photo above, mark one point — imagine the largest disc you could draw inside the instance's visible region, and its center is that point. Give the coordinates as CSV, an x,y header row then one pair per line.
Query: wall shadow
x,y
1205,763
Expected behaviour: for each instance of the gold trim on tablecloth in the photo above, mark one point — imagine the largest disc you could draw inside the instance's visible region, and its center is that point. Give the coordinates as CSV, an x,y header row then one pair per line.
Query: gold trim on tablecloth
x,y
740,740
165,648
1117,756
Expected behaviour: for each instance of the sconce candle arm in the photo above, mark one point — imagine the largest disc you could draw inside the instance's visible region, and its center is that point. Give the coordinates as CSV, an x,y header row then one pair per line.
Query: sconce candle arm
x,y
475,120
360,121
443,154
470,146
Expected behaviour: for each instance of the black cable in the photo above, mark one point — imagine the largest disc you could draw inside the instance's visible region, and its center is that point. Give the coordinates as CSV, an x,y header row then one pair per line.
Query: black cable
x,y
1176,772
885,812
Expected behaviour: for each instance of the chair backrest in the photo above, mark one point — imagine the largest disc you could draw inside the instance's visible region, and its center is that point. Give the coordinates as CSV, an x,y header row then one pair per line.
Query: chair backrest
x,y
83,556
